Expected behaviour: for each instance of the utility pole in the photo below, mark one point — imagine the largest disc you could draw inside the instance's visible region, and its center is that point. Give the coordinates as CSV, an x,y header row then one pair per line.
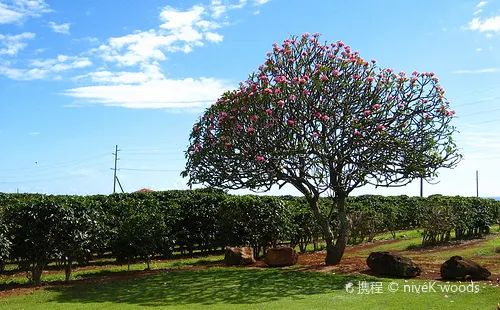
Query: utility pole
x,y
421,187
116,160
477,183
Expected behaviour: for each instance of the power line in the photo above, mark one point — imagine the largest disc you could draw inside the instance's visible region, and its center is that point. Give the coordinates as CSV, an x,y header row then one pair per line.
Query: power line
x,y
151,170
480,91
44,180
475,102
56,165
484,122
477,113
55,172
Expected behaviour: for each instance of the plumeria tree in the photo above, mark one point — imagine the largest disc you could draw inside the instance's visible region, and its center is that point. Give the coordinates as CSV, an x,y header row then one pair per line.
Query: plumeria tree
x,y
323,119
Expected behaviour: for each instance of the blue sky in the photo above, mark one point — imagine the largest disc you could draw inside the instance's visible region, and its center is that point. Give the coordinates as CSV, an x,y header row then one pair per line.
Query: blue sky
x,y
79,77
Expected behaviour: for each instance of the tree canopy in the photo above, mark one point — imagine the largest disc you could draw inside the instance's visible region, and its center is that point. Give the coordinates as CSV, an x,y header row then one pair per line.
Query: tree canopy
x,y
322,118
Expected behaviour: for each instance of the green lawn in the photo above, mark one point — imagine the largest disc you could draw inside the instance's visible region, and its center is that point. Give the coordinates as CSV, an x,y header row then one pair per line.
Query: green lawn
x,y
246,288
257,288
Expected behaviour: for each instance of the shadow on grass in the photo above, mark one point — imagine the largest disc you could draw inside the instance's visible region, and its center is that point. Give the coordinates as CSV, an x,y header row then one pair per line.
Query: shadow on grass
x,y
204,287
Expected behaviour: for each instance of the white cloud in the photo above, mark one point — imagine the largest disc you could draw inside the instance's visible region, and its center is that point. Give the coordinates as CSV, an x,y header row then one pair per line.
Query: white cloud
x,y
175,19
42,69
180,31
34,133
214,37
489,24
217,8
62,63
478,49
482,3
12,44
15,11
149,72
159,93
60,28
90,40
485,70
23,74
144,85
261,2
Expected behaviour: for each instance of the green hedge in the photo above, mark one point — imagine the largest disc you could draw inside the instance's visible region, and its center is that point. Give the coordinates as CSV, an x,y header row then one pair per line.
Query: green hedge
x,y
35,229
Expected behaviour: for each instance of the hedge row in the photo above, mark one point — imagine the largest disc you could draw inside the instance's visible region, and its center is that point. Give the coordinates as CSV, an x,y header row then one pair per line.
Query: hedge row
x,y
35,229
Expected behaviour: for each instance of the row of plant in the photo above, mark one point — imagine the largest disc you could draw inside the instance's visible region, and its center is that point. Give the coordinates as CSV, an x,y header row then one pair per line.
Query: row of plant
x,y
36,229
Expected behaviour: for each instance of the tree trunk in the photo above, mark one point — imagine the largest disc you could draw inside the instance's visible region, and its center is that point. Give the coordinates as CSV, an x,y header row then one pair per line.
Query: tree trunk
x,y
67,268
36,271
338,251
326,229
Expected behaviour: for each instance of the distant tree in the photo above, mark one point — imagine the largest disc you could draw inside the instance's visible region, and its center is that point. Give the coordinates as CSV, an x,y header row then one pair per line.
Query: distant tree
x,y
323,119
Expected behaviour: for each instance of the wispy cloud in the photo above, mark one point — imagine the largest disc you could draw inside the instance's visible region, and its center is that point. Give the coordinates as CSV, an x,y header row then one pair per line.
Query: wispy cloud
x,y
261,2
482,3
46,68
153,94
16,11
34,133
12,44
489,24
60,28
132,76
476,71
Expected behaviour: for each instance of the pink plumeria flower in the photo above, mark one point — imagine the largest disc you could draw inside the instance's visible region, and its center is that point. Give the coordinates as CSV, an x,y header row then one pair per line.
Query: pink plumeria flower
x,y
292,97
370,79
380,127
376,106
323,77
281,103
269,125
367,112
325,118
291,122
305,92
269,112
357,133
251,129
259,158
315,135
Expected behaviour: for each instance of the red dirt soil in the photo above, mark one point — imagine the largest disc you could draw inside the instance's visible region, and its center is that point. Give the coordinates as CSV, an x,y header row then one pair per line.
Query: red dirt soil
x,y
309,262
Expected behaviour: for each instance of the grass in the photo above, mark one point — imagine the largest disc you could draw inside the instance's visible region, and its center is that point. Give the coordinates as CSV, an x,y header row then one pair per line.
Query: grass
x,y
109,269
254,288
245,288
406,234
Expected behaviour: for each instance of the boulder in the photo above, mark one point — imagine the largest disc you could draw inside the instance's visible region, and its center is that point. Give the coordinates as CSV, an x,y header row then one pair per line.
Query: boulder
x,y
278,257
458,268
239,256
387,263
